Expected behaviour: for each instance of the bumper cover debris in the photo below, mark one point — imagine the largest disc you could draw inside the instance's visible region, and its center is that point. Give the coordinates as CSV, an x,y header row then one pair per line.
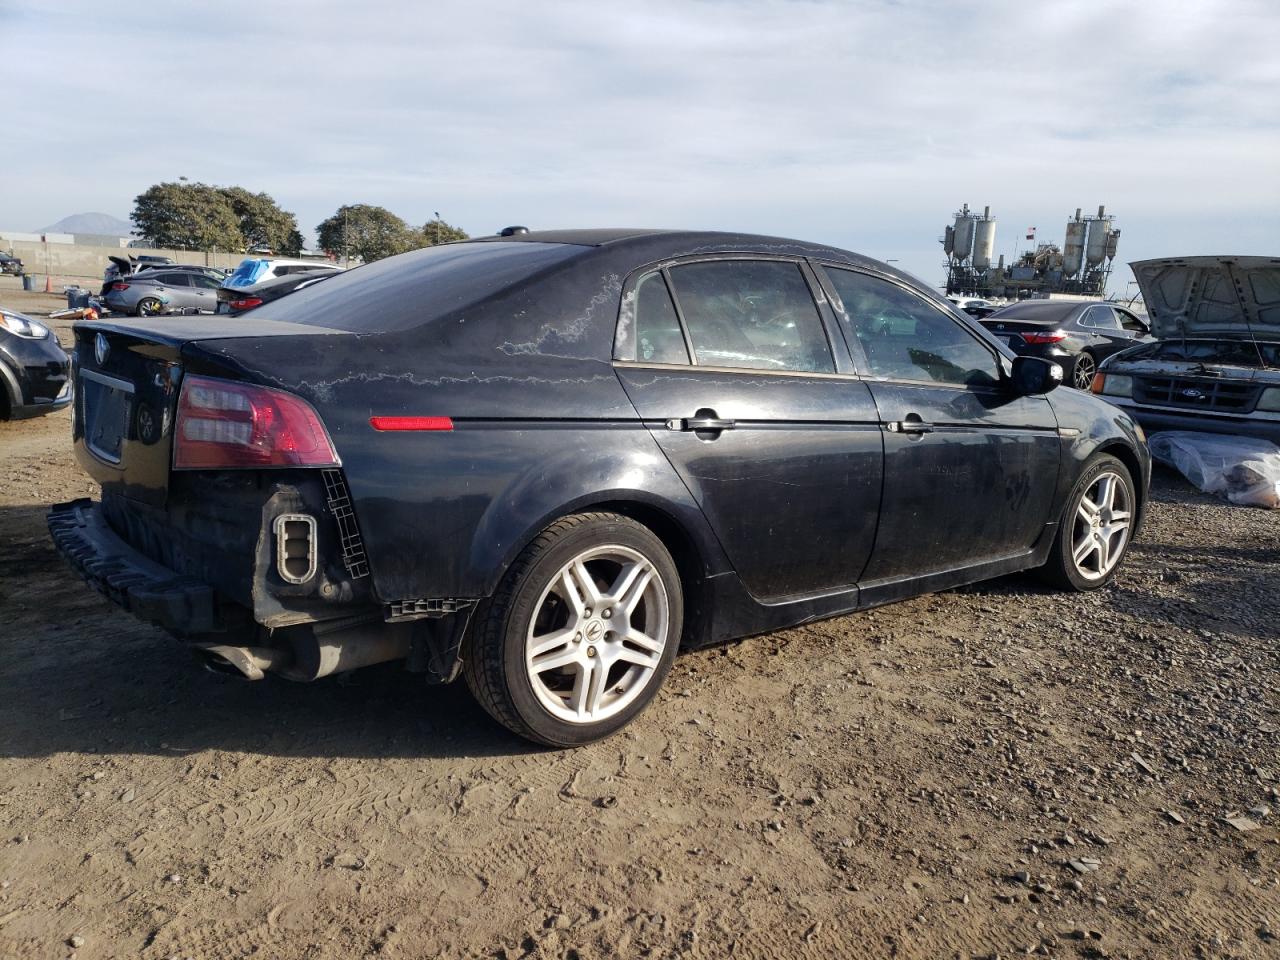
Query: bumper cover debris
x,y
146,589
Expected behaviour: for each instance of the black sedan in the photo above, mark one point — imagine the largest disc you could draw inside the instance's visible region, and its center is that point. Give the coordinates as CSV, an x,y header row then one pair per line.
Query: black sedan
x,y
1079,335
11,265
35,373
548,461
238,300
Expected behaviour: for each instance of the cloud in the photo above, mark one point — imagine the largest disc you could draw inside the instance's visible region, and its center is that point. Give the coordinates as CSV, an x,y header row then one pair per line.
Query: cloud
x,y
861,124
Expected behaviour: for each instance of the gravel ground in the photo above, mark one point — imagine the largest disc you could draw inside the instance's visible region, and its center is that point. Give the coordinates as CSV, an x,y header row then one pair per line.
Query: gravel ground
x,y
998,770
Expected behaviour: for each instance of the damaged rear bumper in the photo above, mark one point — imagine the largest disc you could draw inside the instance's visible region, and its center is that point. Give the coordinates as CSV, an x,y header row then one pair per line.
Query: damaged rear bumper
x,y
119,572
426,633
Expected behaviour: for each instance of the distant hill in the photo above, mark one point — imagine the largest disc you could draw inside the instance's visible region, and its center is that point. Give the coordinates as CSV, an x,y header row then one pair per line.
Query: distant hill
x,y
100,223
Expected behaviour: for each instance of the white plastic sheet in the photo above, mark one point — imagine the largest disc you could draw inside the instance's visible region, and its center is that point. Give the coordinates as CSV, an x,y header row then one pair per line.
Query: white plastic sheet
x,y
1242,469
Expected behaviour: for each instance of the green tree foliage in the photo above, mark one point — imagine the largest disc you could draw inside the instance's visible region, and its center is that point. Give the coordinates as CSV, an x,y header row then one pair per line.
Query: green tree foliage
x,y
367,232
200,216
192,215
438,231
262,222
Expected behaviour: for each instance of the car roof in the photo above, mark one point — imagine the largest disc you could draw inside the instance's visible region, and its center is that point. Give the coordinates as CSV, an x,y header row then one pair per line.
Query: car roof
x,y
642,245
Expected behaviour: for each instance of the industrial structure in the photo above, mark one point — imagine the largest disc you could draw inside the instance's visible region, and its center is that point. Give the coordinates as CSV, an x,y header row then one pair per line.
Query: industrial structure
x,y
1080,266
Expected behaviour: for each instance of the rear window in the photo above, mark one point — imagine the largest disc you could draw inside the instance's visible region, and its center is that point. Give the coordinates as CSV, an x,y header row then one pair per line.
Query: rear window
x,y
1039,311
403,292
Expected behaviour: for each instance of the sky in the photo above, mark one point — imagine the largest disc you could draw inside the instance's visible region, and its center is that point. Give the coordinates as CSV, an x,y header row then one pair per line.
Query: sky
x,y
860,124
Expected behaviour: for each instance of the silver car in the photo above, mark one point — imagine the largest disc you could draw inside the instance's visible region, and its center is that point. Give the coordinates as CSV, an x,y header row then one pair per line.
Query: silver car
x,y
155,292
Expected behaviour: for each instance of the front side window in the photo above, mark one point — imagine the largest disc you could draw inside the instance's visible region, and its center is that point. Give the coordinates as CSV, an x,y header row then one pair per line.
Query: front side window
x,y
1130,322
906,338
658,335
754,314
206,283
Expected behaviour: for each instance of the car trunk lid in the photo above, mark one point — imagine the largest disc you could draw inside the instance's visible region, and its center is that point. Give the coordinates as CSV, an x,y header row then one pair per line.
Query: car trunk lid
x,y
128,375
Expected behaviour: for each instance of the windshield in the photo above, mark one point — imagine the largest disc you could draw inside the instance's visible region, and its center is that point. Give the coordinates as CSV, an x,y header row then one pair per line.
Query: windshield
x,y
414,288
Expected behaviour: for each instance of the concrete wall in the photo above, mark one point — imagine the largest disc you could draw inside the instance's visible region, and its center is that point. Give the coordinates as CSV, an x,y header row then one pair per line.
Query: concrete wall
x,y
68,263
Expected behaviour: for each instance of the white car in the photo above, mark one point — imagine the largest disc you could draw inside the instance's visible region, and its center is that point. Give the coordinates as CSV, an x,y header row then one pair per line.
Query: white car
x,y
256,269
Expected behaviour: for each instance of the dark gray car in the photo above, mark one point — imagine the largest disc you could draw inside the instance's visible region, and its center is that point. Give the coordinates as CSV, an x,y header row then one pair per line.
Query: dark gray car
x,y
155,292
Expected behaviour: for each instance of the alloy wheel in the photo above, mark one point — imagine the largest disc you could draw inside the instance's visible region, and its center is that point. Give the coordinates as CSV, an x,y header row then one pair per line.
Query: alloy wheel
x,y
1101,527
597,634
1082,375
149,307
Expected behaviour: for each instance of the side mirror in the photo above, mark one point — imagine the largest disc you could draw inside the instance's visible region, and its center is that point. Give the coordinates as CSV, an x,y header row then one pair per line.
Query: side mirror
x,y
1032,376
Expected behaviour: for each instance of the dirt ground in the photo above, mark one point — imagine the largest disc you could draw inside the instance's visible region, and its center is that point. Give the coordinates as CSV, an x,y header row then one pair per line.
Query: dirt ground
x,y
998,770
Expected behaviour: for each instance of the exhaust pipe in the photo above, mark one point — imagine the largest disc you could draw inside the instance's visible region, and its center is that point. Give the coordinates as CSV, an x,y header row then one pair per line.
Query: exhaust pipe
x,y
249,662
312,651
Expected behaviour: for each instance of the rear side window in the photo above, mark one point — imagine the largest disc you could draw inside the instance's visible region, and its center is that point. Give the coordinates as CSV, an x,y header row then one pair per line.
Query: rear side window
x,y
906,338
658,335
755,314
175,279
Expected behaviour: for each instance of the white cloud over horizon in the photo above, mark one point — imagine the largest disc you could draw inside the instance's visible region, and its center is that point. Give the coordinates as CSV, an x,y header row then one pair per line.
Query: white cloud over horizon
x,y
861,124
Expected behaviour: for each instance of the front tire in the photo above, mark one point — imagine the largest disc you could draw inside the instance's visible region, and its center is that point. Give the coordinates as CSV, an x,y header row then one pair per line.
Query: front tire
x,y
580,634
1094,531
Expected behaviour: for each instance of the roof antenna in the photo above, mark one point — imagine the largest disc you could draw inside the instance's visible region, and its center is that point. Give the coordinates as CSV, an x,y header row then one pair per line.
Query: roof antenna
x,y
512,231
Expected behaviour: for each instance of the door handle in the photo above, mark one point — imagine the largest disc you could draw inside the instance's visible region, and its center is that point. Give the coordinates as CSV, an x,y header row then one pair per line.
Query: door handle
x,y
701,423
909,426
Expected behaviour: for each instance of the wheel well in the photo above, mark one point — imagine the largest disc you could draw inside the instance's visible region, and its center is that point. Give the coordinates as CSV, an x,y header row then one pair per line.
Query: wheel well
x,y
1125,455
688,558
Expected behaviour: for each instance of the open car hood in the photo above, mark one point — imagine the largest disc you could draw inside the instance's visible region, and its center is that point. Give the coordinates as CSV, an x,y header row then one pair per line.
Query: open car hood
x,y
1211,296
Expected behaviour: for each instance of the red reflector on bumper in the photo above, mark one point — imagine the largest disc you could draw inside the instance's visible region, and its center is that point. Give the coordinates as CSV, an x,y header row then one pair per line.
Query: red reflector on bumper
x,y
411,423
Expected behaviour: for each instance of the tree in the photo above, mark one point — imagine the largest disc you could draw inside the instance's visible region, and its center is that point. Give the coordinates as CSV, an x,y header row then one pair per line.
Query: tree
x,y
262,222
437,231
365,231
201,216
190,215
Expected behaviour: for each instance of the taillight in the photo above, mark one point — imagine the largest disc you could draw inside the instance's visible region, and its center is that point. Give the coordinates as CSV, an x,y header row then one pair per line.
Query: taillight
x,y
119,286
1056,337
223,424
248,303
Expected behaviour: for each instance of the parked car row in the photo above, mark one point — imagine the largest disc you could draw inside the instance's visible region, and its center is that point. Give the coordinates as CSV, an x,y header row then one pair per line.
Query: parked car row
x,y
154,286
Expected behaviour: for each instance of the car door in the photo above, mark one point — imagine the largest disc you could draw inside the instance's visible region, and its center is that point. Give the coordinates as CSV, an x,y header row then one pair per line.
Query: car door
x,y
177,287
1134,326
730,363
970,467
204,291
1106,334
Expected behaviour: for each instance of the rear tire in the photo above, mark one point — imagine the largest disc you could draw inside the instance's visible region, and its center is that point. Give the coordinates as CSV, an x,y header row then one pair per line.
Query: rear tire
x,y
1083,370
581,632
1094,530
148,307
